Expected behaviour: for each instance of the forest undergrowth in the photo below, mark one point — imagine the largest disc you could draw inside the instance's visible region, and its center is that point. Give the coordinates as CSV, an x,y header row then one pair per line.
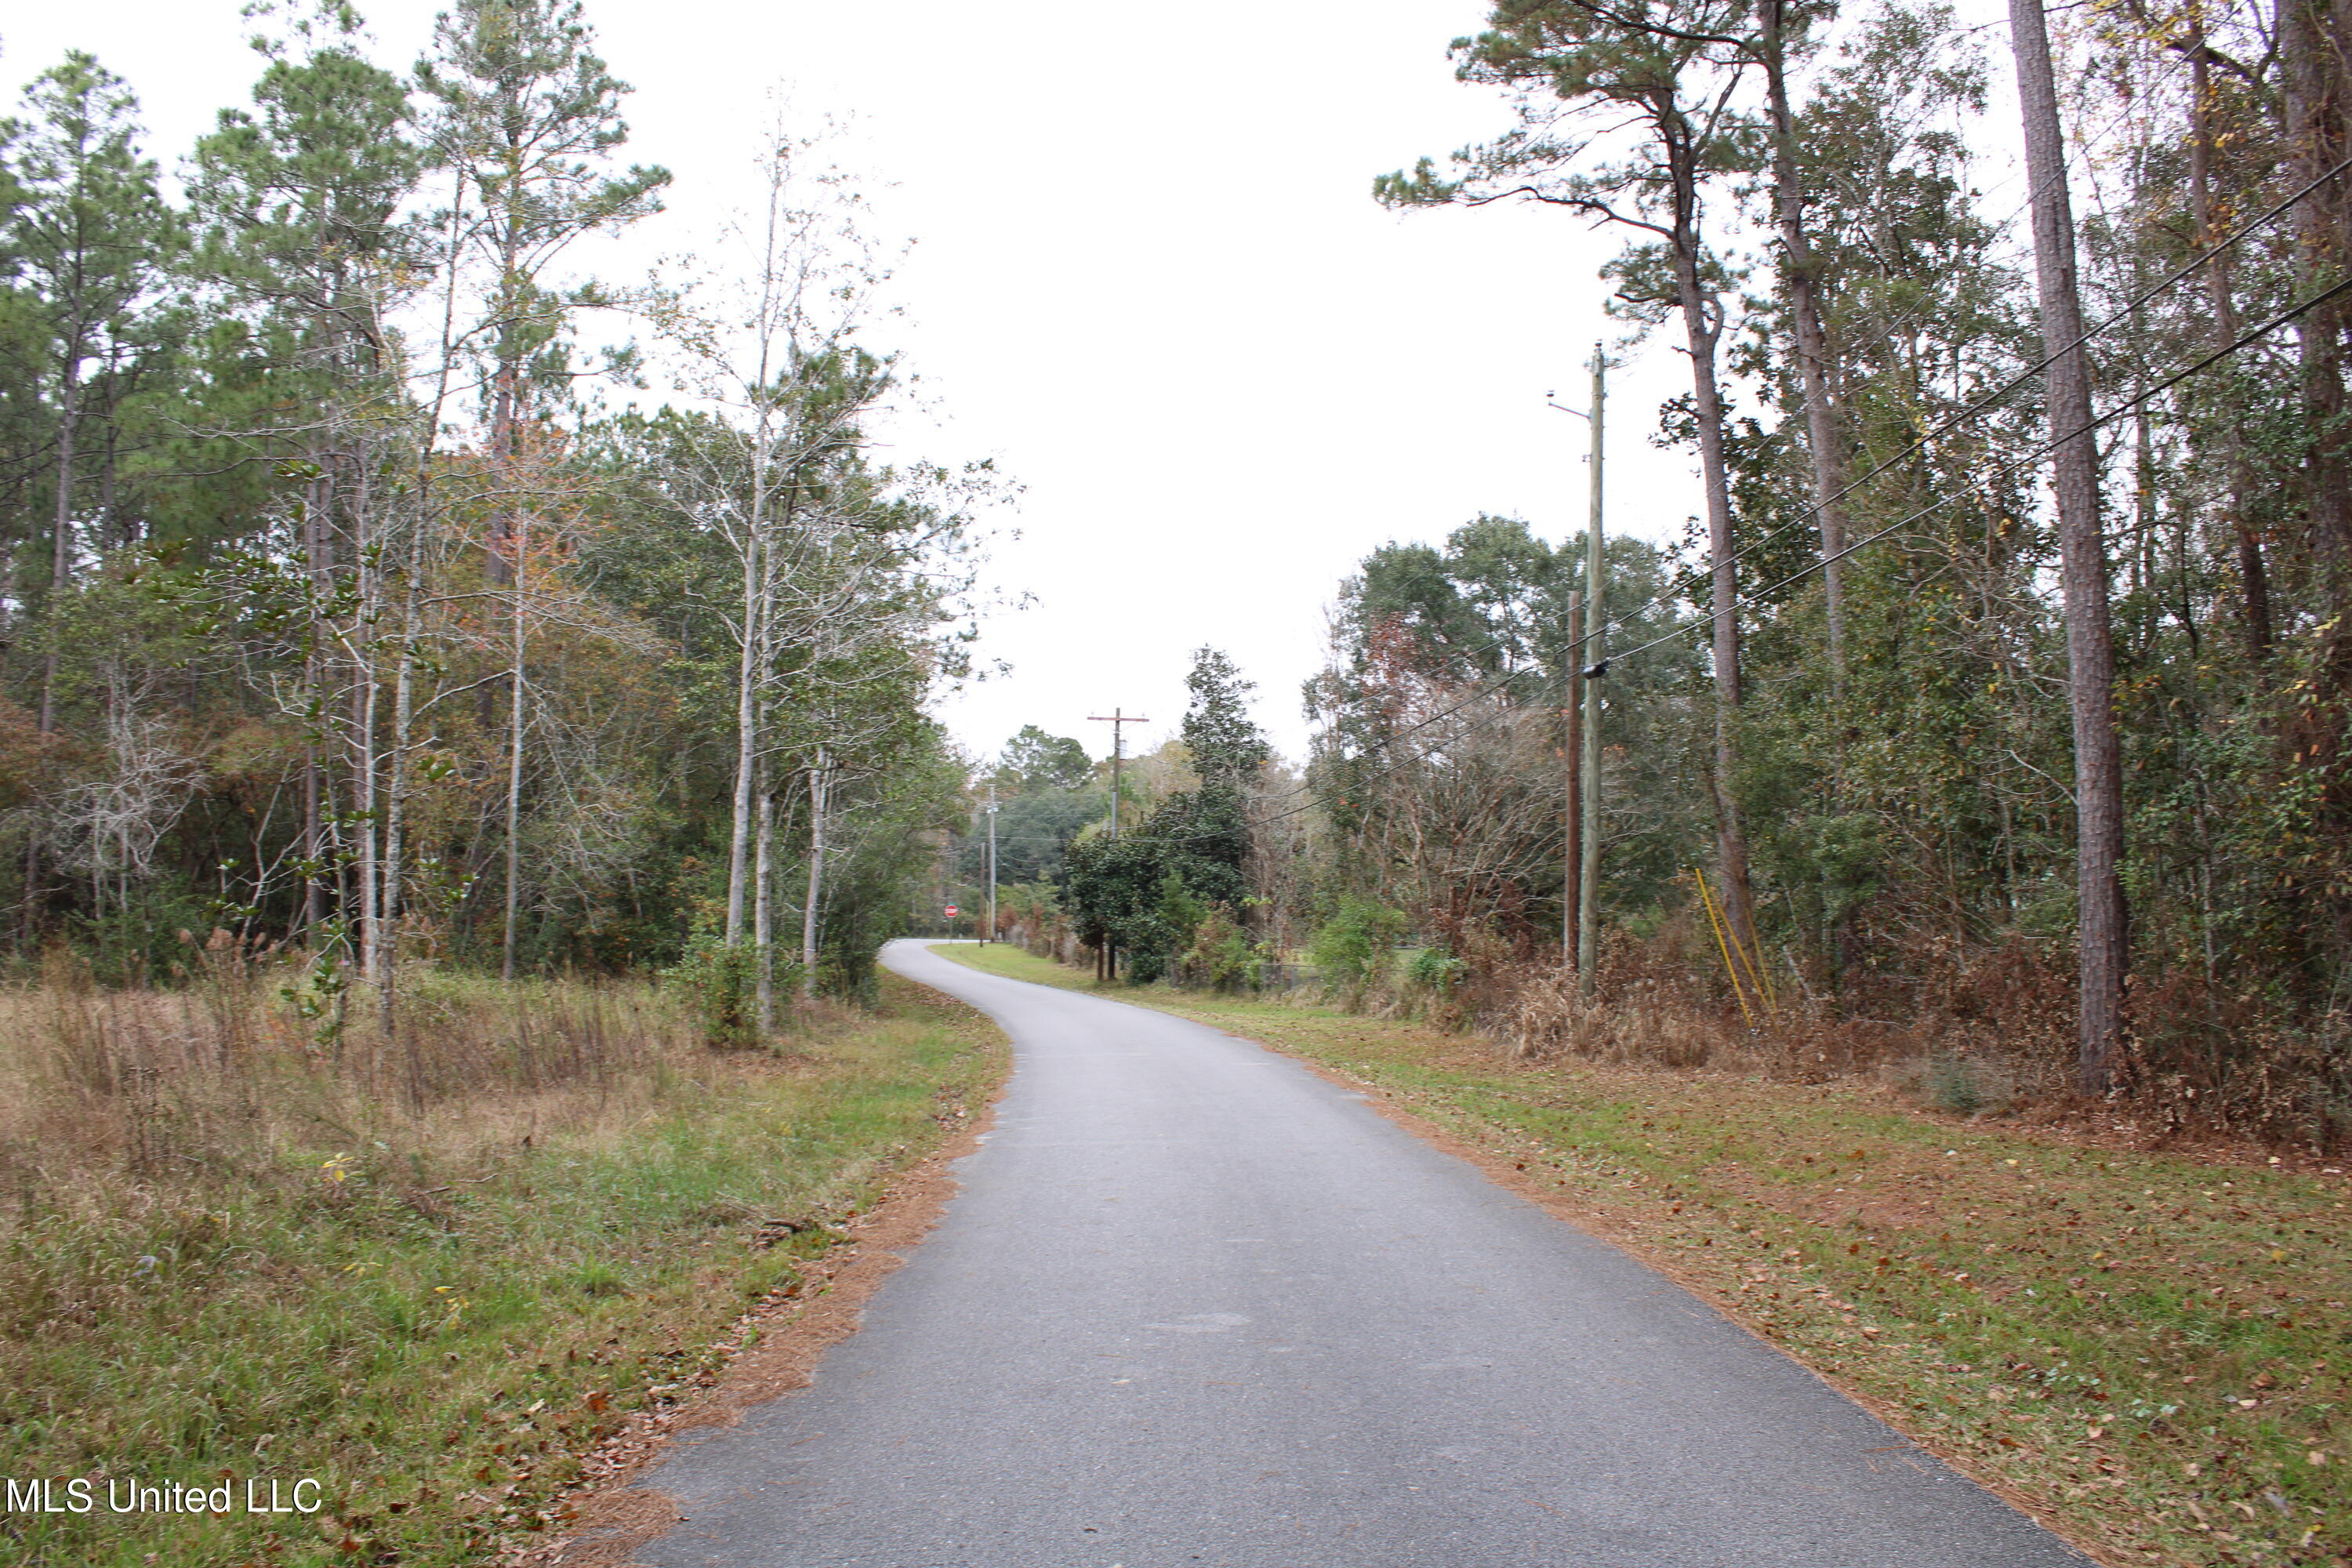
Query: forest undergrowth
x,y
1962,1032
429,1271
2137,1337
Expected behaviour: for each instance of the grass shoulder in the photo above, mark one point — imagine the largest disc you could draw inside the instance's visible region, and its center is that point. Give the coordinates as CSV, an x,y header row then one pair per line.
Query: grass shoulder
x,y
2143,1347
434,1314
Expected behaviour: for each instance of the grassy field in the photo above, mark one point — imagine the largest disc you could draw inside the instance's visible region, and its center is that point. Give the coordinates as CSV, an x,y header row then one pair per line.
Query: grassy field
x,y
2147,1349
432,1311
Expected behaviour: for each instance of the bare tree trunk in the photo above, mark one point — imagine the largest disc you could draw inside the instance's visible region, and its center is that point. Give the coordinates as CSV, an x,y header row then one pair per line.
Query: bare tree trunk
x,y
2312,38
403,701
314,846
514,715
61,543
763,905
1824,446
367,702
395,798
314,830
746,731
2104,937
758,565
818,791
506,396
1706,402
2254,579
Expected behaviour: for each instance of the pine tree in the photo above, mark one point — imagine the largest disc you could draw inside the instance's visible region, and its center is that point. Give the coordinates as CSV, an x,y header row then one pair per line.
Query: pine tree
x,y
91,239
528,121
303,245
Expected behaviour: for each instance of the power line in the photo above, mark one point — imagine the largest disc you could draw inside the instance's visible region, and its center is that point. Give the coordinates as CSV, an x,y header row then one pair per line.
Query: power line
x,y
2038,453
1985,403
2246,339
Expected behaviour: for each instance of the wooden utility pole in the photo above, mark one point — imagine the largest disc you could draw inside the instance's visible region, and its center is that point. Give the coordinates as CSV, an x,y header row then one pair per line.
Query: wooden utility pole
x,y
1117,719
1593,663
2102,939
990,934
1572,760
1587,633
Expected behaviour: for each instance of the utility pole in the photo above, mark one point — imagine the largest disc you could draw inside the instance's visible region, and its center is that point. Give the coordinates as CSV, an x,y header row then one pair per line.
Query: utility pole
x,y
1579,930
1595,664
990,933
1571,881
1117,719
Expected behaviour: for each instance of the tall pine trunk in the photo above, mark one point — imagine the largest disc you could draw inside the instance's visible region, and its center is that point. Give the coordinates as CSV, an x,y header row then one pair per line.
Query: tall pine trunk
x,y
366,710
396,793
1703,328
516,714
1824,446
2313,37
61,539
2104,937
2254,578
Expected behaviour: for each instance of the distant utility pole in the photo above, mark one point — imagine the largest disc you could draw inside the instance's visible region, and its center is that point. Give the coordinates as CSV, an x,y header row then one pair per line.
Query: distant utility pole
x,y
1588,650
988,935
1117,719
1595,658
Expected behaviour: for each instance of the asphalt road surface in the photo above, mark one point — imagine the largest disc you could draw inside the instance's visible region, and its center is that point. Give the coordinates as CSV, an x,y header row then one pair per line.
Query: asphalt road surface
x,y
1194,1305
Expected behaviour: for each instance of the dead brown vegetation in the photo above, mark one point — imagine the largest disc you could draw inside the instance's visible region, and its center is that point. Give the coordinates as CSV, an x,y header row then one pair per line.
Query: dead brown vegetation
x,y
211,1081
1984,1033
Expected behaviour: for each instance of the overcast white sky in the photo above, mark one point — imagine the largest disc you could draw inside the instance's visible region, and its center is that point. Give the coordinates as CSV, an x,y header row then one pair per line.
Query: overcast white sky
x,y
1149,278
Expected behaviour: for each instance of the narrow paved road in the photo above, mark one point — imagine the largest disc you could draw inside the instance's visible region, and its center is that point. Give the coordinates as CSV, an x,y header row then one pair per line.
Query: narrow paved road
x,y
1194,1305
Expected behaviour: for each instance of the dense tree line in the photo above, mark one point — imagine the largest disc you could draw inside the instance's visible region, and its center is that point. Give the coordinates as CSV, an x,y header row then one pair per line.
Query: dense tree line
x,y
1923,730
343,616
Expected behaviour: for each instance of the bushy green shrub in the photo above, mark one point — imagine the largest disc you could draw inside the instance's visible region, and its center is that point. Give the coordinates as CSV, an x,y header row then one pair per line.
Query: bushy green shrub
x,y
720,984
1350,949
1434,972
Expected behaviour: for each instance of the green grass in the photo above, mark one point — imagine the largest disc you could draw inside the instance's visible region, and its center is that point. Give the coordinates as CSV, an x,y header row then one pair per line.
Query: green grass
x,y
437,1347
2149,1348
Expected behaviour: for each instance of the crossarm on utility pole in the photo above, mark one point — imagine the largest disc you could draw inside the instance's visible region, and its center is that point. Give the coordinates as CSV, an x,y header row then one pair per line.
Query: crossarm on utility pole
x,y
1117,719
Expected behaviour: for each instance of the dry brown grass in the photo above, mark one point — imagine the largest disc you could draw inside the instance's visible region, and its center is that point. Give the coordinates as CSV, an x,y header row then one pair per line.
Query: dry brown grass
x,y
173,1091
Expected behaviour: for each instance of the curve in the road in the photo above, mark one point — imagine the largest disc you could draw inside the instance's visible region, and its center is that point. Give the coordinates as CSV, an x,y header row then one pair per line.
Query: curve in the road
x,y
1196,1306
